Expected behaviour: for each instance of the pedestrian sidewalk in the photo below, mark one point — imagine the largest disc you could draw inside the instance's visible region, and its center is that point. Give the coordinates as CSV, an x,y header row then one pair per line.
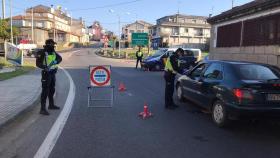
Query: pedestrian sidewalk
x,y
18,94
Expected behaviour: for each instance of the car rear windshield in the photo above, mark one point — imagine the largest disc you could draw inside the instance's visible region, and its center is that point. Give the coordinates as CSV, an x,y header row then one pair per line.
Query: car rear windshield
x,y
256,72
159,53
195,53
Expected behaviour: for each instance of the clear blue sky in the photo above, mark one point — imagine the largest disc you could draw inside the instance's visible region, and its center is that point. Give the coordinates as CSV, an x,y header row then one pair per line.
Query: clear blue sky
x,y
148,10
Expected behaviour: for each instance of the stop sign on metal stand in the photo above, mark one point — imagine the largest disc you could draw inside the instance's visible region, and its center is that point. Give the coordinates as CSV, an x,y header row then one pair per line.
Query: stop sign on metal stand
x,y
100,77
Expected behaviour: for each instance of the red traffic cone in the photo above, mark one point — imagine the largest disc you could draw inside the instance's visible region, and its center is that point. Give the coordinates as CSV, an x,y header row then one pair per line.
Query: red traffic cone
x,y
145,114
122,87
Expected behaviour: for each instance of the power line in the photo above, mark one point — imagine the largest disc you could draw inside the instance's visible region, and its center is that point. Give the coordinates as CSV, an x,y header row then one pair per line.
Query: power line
x,y
107,6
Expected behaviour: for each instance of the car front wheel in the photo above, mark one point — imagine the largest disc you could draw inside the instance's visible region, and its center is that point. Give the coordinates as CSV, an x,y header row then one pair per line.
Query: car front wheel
x,y
219,114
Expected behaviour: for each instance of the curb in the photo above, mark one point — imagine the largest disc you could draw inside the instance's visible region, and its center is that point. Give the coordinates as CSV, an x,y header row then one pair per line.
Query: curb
x,y
122,60
31,104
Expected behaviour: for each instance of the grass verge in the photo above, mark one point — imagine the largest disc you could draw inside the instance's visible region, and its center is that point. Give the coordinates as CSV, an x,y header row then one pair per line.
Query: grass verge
x,y
19,71
27,67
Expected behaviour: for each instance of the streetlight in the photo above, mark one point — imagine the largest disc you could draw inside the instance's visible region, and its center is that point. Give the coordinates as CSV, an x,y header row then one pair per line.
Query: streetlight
x,y
119,21
11,23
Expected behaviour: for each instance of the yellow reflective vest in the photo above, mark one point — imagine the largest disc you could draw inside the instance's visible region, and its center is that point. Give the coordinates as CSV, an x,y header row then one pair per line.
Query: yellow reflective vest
x,y
169,67
139,54
50,58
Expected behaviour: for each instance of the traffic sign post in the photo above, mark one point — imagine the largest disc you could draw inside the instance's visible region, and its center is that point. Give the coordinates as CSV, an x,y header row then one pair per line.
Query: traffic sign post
x,y
100,78
140,39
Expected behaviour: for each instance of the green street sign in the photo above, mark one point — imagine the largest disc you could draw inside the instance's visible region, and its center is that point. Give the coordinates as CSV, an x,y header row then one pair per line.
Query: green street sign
x,y
111,43
140,39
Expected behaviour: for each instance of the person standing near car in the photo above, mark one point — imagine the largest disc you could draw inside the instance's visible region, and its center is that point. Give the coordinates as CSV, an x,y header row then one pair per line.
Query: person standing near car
x,y
139,57
170,71
48,61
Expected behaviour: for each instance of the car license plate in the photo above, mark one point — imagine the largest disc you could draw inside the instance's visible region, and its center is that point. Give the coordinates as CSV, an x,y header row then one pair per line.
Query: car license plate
x,y
273,97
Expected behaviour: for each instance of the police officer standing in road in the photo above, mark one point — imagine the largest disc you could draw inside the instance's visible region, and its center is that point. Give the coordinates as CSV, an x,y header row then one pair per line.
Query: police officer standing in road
x,y
139,56
48,61
170,71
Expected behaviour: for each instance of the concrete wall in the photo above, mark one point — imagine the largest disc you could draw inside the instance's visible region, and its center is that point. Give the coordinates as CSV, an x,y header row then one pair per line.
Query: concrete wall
x,y
260,54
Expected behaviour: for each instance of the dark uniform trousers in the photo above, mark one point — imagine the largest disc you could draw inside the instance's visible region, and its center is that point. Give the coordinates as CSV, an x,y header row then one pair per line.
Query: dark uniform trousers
x,y
48,88
169,88
138,60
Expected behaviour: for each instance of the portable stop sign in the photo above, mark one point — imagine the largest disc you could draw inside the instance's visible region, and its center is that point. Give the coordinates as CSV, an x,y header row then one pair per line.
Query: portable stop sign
x,y
100,78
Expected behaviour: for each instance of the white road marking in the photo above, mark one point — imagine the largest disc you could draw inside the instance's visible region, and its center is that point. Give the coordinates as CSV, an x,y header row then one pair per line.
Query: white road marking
x,y
53,135
129,94
71,53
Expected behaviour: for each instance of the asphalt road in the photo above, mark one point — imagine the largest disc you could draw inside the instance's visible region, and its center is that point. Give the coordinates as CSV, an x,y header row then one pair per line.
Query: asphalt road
x,y
118,132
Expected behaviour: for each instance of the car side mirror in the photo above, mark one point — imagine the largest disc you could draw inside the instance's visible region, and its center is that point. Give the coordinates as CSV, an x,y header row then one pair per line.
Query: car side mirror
x,y
186,72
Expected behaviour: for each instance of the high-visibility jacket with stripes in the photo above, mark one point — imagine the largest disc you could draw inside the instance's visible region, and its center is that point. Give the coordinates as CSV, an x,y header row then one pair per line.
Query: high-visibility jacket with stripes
x,y
169,67
139,54
50,58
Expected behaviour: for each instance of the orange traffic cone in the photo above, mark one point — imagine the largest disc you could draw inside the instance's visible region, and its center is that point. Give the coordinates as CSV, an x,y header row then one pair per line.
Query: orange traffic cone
x,y
145,114
122,87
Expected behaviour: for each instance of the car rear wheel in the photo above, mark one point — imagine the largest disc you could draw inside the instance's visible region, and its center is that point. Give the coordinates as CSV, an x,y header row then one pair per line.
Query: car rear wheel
x,y
219,114
180,93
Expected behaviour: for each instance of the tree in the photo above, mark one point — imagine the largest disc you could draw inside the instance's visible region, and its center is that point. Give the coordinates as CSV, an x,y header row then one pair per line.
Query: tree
x,y
4,26
5,29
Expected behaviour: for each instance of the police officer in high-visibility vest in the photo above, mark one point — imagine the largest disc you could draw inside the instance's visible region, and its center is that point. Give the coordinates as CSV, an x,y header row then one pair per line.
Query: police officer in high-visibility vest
x,y
170,71
48,61
139,56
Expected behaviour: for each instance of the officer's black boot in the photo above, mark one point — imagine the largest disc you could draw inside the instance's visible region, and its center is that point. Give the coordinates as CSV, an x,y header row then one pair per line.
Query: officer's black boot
x,y
43,110
51,102
54,107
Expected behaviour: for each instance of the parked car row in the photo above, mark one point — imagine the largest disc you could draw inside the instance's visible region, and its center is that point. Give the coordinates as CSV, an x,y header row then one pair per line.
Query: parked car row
x,y
232,90
157,60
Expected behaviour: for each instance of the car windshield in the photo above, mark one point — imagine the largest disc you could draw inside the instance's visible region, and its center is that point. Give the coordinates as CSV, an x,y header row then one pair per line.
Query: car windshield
x,y
256,72
159,53
195,53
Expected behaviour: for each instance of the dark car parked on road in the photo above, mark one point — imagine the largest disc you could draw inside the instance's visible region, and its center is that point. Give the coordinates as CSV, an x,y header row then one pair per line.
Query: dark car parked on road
x,y
157,61
232,90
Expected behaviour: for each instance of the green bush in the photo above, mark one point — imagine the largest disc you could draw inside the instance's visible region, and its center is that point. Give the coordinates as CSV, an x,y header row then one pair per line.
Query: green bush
x,y
4,63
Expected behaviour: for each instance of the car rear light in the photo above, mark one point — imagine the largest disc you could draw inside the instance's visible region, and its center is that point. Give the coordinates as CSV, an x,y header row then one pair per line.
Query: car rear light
x,y
276,85
243,94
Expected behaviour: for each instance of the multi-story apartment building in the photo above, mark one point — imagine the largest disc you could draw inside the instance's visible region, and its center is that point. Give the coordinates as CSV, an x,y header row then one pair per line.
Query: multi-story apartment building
x,y
96,30
178,29
138,26
48,22
78,31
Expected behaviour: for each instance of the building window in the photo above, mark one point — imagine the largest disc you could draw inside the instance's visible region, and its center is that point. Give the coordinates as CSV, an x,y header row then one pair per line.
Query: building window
x,y
194,21
186,30
261,31
278,30
229,35
175,31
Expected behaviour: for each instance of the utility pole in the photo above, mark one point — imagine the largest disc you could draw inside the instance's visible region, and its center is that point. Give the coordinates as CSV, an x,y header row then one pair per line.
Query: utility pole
x,y
232,3
11,20
119,36
3,9
32,25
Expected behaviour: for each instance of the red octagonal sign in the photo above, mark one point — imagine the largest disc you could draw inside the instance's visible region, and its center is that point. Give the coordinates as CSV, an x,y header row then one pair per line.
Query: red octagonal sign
x,y
100,76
